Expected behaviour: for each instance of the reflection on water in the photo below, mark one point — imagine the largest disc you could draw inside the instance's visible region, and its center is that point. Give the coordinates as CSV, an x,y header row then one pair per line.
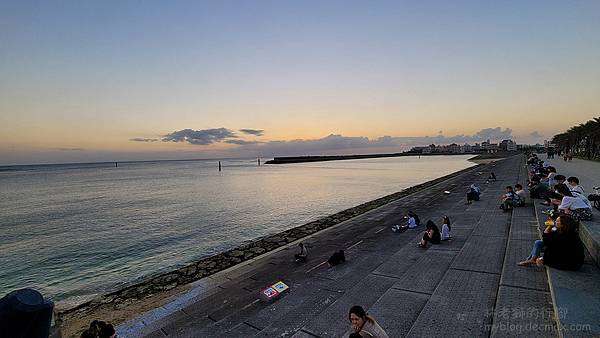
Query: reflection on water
x,y
77,231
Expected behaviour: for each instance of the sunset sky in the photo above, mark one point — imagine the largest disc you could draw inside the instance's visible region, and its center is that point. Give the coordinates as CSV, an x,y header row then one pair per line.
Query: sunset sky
x,y
130,80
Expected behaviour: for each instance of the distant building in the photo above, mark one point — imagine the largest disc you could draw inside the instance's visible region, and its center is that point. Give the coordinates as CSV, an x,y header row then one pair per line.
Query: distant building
x,y
489,147
430,149
454,148
508,145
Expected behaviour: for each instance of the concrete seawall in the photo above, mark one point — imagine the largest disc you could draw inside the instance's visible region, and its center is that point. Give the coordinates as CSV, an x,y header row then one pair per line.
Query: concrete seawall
x,y
72,320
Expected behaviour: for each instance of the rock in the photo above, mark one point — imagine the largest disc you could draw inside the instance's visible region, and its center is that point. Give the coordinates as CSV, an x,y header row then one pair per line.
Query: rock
x,y
258,250
165,279
236,253
208,264
190,270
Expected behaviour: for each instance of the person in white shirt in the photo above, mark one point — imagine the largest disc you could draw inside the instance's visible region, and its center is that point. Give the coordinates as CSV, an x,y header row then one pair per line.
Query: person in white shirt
x,y
412,221
574,185
521,195
445,231
573,204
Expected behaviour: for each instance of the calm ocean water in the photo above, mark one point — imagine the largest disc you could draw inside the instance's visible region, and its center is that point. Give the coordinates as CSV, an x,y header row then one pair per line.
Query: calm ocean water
x,y
76,231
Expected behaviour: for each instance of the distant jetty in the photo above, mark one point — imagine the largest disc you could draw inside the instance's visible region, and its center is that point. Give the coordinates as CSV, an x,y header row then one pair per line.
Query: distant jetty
x,y
302,159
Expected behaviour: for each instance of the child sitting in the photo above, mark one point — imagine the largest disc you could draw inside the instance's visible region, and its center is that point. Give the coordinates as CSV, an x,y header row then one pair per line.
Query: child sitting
x,y
445,234
508,199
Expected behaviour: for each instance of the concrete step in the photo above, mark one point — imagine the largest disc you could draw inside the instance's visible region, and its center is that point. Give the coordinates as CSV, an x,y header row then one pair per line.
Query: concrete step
x,y
576,294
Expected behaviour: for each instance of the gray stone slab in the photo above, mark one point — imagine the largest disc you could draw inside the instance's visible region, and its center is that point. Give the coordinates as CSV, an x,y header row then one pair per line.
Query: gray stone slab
x,y
401,261
221,304
240,330
492,226
589,232
397,310
355,268
155,334
524,229
299,316
229,326
577,297
532,277
426,273
332,321
181,319
461,306
302,334
481,253
524,211
523,313
459,238
303,291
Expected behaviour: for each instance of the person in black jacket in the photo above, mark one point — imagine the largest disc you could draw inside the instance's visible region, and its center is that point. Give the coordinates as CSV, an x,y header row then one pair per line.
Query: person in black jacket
x,y
431,235
562,247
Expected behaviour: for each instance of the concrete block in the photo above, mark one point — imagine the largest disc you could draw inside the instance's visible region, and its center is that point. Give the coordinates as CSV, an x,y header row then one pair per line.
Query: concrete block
x,y
427,272
532,277
523,313
481,253
461,306
397,310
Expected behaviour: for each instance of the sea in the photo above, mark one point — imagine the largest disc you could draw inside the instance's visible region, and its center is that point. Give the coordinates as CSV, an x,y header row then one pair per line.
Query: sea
x,y
73,231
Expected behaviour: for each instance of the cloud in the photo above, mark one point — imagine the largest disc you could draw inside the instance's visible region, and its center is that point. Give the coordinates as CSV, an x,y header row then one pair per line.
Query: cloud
x,y
331,144
493,134
257,132
338,144
241,142
140,139
200,137
70,149
535,134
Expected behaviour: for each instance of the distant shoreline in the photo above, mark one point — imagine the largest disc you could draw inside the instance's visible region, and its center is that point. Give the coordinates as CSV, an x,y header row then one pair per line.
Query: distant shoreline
x,y
304,159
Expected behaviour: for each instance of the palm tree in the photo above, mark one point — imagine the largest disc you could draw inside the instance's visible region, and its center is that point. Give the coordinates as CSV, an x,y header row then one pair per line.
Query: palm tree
x,y
582,140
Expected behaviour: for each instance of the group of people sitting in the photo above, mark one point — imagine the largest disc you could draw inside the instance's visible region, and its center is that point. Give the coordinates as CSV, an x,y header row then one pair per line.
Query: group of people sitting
x,y
433,234
565,195
560,243
516,197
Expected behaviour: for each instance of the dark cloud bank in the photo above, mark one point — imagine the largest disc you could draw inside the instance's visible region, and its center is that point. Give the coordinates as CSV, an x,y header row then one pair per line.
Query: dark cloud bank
x,y
255,132
332,144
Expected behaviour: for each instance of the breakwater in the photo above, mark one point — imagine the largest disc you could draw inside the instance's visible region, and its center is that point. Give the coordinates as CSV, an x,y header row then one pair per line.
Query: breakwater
x,y
303,159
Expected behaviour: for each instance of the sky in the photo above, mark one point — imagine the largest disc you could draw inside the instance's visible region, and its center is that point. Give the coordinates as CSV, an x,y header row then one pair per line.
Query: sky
x,y
84,81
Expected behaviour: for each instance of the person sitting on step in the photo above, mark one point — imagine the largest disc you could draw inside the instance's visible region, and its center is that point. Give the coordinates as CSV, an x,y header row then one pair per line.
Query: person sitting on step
x,y
508,199
573,204
338,257
431,235
364,325
302,256
412,221
445,233
562,247
520,195
573,184
473,193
